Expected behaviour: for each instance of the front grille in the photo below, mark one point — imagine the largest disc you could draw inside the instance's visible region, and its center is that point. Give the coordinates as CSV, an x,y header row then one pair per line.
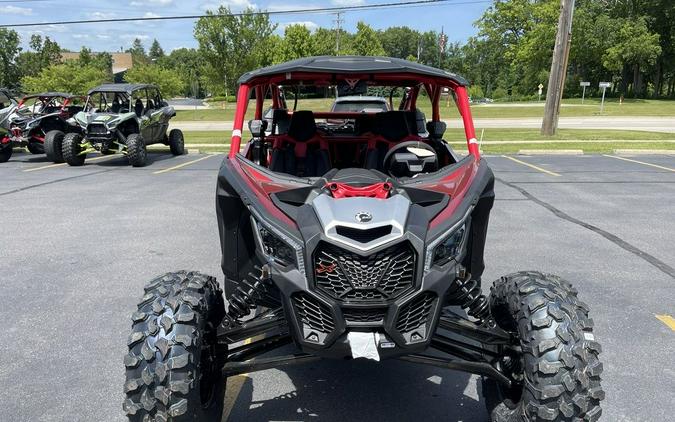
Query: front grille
x,y
415,313
97,130
313,314
364,315
380,276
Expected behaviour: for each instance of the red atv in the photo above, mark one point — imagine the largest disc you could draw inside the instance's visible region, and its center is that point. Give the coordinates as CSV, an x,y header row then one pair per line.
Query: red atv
x,y
365,242
40,122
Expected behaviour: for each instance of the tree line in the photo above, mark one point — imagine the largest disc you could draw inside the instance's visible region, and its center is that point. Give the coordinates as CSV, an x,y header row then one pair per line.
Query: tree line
x,y
627,42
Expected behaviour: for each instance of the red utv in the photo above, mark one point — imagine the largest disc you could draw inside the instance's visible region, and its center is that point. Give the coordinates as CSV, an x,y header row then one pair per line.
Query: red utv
x,y
361,243
41,122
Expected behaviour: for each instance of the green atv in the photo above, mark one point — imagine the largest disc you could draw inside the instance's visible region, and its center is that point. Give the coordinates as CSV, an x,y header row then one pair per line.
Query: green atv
x,y
122,118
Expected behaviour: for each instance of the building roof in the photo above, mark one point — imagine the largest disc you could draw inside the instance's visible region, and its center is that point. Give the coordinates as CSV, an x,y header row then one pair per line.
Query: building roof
x,y
353,65
121,61
128,88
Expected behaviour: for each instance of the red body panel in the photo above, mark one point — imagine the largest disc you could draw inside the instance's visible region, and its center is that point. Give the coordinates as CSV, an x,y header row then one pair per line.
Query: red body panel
x,y
343,190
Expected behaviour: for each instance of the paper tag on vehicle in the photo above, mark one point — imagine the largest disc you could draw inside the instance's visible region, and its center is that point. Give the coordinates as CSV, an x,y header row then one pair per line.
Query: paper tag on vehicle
x,y
363,345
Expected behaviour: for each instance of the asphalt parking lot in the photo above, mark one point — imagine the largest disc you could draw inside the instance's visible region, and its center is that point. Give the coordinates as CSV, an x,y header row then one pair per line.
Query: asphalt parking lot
x,y
78,244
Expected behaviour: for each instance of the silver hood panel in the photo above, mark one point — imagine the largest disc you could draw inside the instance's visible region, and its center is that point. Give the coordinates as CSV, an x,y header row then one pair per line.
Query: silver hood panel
x,y
362,214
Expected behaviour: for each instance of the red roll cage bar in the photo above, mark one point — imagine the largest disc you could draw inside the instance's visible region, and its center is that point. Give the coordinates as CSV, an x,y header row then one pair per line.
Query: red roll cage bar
x,y
432,85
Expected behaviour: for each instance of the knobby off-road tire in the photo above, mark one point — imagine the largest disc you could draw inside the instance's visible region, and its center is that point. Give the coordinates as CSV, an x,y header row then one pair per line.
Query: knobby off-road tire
x,y
173,369
560,355
36,148
71,149
176,142
5,153
136,151
53,145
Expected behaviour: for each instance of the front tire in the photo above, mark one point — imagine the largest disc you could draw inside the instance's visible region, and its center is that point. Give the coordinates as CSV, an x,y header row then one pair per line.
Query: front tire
x,y
136,151
176,142
71,149
173,369
5,153
36,148
53,145
556,358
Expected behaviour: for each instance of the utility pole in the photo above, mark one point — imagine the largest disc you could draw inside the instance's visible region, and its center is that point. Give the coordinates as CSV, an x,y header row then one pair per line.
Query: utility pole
x,y
338,25
442,42
556,80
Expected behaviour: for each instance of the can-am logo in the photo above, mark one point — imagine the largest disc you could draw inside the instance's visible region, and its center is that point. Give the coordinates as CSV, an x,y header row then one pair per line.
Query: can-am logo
x,y
363,217
322,268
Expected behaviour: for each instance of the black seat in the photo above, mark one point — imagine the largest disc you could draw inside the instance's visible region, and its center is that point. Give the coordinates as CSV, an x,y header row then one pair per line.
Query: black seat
x,y
300,152
115,106
138,107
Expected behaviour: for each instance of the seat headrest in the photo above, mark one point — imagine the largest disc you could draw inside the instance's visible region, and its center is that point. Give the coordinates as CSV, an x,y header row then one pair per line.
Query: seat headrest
x,y
436,129
391,125
303,126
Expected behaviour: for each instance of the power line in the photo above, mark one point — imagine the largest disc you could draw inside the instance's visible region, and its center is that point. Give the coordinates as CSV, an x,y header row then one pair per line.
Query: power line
x,y
274,12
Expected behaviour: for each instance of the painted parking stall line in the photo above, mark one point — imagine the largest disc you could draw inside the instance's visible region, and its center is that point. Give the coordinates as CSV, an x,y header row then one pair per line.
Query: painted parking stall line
x,y
640,162
550,173
668,320
49,166
179,166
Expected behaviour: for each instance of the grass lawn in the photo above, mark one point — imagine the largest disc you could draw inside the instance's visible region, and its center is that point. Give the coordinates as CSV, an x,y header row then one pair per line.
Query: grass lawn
x,y
571,108
508,141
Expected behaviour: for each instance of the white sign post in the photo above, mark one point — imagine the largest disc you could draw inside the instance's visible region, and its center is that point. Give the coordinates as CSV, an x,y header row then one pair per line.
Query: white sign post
x,y
604,86
583,94
541,87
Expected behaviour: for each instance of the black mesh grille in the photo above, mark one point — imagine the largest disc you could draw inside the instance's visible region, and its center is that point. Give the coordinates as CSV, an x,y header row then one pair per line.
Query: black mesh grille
x,y
312,313
97,129
415,313
364,315
349,276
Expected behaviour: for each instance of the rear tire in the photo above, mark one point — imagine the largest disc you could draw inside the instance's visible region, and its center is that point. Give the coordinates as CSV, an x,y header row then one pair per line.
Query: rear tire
x,y
36,148
53,145
173,368
176,142
136,151
5,153
559,358
71,149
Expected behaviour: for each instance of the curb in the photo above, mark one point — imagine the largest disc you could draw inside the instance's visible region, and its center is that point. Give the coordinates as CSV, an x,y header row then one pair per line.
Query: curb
x,y
644,152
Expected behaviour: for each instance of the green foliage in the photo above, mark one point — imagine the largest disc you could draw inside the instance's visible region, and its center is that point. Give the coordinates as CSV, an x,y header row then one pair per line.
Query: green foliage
x,y
189,65
297,43
42,53
156,52
71,76
9,72
138,55
101,61
232,45
634,44
366,41
168,80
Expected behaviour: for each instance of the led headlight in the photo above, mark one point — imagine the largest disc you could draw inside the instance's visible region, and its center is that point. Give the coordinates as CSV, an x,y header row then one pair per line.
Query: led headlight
x,y
450,247
277,246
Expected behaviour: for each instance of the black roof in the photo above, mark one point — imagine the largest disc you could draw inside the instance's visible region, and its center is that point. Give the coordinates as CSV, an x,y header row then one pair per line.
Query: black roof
x,y
352,64
128,88
51,94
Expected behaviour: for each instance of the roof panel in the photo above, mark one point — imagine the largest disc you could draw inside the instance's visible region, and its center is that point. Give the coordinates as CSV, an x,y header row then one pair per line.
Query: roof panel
x,y
352,64
128,88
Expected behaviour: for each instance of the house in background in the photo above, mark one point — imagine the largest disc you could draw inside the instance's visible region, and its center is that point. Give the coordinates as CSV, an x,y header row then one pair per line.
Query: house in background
x,y
121,63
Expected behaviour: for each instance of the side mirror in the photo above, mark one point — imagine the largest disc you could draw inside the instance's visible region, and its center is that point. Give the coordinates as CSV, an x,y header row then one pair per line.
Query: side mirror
x,y
257,128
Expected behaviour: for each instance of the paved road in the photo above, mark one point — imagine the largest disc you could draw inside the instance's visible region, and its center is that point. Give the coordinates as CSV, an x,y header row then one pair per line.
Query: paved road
x,y
650,124
77,245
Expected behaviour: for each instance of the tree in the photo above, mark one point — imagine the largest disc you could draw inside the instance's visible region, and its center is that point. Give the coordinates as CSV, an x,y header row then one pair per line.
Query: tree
x,y
400,41
43,52
189,65
101,61
366,41
71,76
156,51
168,80
297,43
232,45
138,55
9,73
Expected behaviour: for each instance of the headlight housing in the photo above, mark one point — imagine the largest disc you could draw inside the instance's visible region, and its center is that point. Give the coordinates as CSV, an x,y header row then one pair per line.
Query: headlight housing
x,y
450,247
276,245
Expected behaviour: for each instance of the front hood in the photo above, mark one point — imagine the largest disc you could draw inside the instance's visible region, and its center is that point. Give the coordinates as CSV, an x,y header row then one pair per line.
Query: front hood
x,y
110,120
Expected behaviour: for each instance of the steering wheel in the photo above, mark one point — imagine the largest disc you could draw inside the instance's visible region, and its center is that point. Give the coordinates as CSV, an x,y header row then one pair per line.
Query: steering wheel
x,y
404,145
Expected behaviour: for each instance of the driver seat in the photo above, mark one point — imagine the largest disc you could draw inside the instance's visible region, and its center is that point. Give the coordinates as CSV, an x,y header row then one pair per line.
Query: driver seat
x,y
389,128
302,151
138,108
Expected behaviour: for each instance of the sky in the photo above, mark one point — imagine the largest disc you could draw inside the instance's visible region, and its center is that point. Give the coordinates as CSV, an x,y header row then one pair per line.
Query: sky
x,y
456,20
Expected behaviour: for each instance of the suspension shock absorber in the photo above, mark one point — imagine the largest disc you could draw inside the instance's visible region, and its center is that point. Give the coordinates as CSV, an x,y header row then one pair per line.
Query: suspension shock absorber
x,y
466,291
251,289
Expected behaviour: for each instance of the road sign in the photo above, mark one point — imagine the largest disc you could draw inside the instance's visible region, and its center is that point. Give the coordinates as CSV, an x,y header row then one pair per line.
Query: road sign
x,y
585,84
541,87
605,85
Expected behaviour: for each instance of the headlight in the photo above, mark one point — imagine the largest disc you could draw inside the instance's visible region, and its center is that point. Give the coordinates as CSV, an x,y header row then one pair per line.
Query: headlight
x,y
276,246
450,247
